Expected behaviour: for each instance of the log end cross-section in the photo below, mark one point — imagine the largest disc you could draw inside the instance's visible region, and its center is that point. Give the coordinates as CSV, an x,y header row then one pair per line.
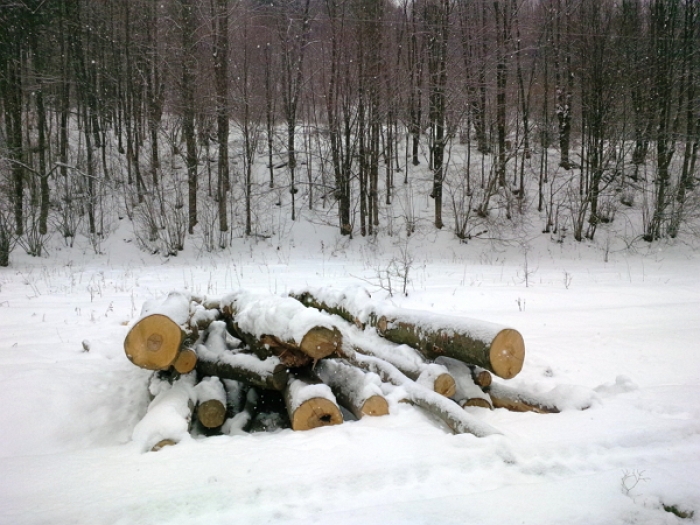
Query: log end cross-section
x,y
320,342
507,353
153,342
375,406
316,412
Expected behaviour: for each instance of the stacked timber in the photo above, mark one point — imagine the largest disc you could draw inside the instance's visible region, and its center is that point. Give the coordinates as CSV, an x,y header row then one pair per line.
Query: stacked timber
x,y
248,362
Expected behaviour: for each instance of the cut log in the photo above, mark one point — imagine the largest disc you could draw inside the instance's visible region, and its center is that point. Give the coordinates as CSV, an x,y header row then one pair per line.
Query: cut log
x,y
467,393
211,402
154,342
269,373
310,404
519,401
481,377
354,389
185,361
437,378
408,360
160,338
281,325
169,415
459,421
499,349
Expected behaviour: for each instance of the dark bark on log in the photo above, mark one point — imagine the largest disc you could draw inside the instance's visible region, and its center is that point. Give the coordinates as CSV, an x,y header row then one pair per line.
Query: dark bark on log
x,y
495,348
269,374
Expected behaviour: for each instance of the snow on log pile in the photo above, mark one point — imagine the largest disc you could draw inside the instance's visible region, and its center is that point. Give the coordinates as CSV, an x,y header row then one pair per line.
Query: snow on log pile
x,y
248,362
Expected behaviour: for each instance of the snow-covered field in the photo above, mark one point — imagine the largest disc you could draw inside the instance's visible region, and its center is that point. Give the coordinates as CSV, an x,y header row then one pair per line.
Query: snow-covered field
x,y
625,331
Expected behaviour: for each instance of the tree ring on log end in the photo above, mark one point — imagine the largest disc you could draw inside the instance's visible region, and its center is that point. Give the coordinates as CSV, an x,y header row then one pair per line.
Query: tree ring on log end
x,y
316,412
153,342
507,353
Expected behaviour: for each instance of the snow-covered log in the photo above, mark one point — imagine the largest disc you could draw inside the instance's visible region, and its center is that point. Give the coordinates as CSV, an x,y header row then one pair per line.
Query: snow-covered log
x,y
467,393
164,330
282,325
211,402
481,377
354,389
408,360
560,398
311,404
169,415
496,348
459,421
216,358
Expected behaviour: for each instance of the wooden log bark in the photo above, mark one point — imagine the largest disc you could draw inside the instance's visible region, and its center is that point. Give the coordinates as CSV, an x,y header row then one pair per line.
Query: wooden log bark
x,y
354,389
169,415
282,326
311,404
467,392
518,401
498,349
211,402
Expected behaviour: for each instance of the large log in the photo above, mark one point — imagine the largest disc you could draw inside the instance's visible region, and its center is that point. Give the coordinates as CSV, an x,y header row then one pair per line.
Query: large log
x,y
169,415
499,349
154,342
211,402
165,331
311,404
354,389
282,325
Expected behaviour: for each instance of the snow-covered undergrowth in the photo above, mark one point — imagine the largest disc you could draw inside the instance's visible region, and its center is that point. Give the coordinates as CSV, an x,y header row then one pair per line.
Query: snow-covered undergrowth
x,y
620,328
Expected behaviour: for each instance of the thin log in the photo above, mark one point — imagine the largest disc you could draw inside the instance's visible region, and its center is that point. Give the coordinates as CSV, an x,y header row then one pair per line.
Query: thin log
x,y
467,392
408,360
269,374
498,349
211,402
169,415
310,404
354,389
459,421
481,377
185,361
518,401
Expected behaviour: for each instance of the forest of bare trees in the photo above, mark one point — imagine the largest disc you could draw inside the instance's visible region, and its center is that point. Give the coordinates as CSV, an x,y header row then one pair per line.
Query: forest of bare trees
x,y
203,118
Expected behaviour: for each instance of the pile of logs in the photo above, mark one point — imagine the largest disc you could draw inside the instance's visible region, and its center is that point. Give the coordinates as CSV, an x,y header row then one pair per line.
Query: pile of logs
x,y
248,362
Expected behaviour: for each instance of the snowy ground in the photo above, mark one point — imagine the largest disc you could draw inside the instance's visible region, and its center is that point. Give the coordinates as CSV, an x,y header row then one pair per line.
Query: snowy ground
x,y
625,331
